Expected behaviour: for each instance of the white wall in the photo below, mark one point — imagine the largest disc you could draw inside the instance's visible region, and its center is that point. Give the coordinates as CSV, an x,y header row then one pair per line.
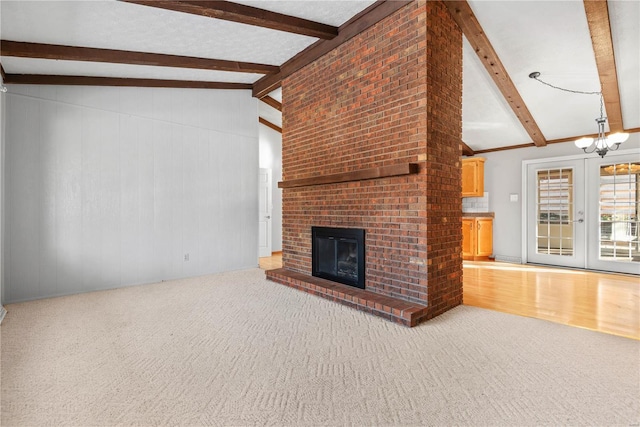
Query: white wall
x,y
108,187
271,158
503,176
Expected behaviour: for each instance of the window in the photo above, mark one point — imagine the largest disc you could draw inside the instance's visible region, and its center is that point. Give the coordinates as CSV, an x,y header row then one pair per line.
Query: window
x,y
555,211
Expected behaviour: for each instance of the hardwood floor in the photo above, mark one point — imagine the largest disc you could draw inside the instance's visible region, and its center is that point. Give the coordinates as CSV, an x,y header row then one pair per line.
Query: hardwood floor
x,y
271,262
601,302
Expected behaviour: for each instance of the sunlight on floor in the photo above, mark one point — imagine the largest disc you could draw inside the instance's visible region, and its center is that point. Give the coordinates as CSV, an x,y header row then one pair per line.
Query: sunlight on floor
x,y
598,301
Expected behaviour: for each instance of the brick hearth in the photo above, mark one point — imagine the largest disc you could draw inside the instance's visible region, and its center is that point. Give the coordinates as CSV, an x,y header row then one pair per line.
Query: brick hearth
x,y
394,309
391,95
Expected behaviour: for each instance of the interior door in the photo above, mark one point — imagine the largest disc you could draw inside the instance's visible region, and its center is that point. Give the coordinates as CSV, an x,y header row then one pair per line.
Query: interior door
x,y
264,214
555,214
613,208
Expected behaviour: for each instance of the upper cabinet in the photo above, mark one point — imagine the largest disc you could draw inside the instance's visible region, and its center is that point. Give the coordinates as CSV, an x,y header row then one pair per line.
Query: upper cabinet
x,y
473,177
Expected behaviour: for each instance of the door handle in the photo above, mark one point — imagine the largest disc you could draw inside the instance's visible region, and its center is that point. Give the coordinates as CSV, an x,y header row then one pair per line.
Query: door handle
x,y
267,217
581,220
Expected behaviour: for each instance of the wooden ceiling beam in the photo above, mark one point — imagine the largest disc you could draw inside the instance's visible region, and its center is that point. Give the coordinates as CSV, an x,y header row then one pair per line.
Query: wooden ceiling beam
x,y
268,124
552,141
365,19
249,15
74,53
43,79
272,102
466,150
466,20
600,29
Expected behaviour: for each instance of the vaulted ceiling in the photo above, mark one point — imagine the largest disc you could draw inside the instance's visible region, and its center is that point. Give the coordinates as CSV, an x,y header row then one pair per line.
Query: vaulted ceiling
x,y
588,46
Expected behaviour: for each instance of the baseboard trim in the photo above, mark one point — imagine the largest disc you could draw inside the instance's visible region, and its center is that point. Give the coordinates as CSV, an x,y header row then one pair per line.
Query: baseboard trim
x,y
511,259
3,312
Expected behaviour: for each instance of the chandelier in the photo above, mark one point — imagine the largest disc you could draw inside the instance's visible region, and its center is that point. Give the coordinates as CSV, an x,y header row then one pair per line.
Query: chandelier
x,y
602,143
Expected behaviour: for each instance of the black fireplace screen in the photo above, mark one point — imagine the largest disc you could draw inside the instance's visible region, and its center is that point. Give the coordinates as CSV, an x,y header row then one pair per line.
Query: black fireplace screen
x,y
338,255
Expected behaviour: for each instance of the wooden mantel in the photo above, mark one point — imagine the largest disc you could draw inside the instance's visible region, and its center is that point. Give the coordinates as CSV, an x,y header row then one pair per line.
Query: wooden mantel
x,y
359,175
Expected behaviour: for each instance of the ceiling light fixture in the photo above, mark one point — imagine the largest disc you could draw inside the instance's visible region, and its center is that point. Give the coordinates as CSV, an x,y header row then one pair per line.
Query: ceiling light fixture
x,y
602,143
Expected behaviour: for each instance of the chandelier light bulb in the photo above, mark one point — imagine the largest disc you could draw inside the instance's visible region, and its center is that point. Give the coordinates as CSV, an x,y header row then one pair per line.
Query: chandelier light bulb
x,y
584,142
618,137
604,143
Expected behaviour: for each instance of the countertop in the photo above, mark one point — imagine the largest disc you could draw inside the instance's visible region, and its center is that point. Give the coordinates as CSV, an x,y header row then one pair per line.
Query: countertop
x,y
478,214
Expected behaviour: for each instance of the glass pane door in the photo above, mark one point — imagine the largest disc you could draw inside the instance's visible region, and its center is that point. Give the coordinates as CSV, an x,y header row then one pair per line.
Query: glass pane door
x,y
619,212
614,182
555,213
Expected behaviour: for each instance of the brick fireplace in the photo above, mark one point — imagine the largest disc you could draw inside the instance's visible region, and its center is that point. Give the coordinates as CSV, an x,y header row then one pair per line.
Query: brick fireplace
x,y
389,99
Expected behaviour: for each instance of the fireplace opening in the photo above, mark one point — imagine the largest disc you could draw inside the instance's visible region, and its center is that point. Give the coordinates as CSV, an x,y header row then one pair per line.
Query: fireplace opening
x,y
338,255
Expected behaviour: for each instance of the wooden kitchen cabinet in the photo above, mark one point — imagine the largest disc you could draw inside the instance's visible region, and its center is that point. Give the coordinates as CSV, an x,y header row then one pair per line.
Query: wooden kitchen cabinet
x,y
473,177
468,238
477,238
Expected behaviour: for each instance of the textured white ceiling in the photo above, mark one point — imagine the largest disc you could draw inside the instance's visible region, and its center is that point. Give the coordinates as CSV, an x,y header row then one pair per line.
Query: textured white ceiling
x,y
625,31
487,119
551,37
125,26
15,65
327,12
270,114
277,94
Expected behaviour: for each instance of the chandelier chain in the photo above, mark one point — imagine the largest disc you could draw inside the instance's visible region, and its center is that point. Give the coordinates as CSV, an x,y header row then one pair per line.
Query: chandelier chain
x,y
561,88
537,78
602,143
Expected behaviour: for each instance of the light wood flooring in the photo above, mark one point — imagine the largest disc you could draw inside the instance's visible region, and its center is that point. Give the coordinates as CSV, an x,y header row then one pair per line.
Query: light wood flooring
x,y
602,302
272,262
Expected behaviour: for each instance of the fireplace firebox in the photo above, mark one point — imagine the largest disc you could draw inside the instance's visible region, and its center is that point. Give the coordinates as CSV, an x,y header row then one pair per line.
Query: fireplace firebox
x,y
338,255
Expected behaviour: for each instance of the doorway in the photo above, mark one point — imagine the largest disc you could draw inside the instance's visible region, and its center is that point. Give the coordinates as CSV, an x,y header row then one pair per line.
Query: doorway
x,y
556,226
584,213
614,245
264,213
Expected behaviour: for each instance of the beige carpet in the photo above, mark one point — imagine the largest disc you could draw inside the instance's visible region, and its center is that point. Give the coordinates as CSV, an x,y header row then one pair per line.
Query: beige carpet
x,y
234,349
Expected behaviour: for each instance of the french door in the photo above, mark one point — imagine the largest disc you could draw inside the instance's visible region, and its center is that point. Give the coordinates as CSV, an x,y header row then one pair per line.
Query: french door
x,y
556,226
585,213
613,244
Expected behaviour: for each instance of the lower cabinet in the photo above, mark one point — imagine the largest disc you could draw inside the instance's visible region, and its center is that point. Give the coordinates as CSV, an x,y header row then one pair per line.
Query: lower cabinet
x,y
477,238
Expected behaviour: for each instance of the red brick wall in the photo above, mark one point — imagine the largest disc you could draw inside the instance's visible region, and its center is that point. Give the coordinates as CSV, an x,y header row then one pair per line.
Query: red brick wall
x,y
444,131
367,104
